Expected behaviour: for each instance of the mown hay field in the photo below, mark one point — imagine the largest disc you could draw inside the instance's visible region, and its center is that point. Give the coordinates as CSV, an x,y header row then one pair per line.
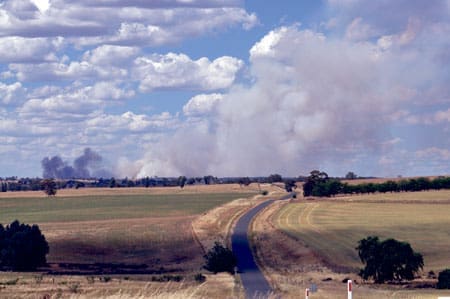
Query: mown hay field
x,y
333,227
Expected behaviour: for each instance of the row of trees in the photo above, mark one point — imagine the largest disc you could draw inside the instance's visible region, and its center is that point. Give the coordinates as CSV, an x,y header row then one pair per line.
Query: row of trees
x,y
319,184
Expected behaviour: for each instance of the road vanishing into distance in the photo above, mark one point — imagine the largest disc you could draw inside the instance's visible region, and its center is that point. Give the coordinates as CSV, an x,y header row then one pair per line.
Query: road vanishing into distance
x,y
253,281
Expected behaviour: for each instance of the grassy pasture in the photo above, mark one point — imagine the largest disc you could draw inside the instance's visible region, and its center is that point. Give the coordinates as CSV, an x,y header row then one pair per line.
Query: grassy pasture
x,y
333,227
107,207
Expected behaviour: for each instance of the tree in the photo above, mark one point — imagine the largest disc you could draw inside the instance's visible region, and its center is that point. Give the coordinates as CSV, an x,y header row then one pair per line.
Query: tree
x,y
444,279
389,260
244,181
351,175
316,177
275,178
49,187
289,185
112,183
22,247
220,259
147,182
182,181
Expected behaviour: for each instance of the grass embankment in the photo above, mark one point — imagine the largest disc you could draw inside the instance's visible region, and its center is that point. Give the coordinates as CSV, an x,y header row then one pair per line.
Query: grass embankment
x,y
316,238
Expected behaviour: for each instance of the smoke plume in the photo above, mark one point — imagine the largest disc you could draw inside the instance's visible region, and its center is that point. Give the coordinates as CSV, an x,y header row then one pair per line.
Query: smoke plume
x,y
88,165
313,102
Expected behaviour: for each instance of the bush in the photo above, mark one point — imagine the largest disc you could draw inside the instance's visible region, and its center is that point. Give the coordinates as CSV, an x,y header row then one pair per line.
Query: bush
x,y
220,259
389,260
444,279
200,278
22,247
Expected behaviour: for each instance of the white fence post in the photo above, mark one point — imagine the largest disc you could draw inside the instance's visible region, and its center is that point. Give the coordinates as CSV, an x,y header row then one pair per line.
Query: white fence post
x,y
307,294
349,289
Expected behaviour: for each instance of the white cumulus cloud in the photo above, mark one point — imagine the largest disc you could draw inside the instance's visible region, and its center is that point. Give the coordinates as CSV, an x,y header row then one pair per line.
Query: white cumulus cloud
x,y
179,71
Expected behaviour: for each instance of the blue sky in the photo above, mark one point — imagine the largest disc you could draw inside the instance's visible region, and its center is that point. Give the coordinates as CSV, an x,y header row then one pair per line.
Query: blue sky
x,y
226,87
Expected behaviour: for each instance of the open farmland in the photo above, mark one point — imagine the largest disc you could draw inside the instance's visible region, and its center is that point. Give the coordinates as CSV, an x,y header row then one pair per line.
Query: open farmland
x,y
333,227
316,240
151,229
130,236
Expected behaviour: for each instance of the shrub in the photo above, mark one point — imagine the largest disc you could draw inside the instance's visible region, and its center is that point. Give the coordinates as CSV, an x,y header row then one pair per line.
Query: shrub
x,y
220,259
22,247
104,279
74,288
200,278
444,279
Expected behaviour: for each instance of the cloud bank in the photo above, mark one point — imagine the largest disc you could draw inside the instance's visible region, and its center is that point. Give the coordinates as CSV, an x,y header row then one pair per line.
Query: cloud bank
x,y
315,101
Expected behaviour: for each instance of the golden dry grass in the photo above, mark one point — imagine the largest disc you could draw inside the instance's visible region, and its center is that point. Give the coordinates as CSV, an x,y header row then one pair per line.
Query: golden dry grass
x,y
31,286
293,259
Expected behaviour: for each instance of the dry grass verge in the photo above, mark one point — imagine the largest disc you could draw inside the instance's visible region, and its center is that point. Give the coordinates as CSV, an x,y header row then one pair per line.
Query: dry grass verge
x,y
31,286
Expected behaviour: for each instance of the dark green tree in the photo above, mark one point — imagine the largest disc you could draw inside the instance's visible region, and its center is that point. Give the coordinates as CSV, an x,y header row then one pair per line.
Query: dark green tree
x,y
289,185
22,247
316,177
389,260
182,181
275,178
244,181
112,183
220,259
444,279
49,187
351,175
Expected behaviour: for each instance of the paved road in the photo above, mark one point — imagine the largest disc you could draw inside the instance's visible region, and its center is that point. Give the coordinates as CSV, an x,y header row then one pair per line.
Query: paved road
x,y
254,282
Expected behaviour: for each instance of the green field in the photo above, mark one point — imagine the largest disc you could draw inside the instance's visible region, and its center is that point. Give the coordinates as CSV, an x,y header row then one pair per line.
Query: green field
x,y
333,227
86,208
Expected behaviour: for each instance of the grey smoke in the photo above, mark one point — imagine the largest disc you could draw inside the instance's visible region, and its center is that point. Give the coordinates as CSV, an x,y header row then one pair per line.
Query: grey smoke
x,y
88,165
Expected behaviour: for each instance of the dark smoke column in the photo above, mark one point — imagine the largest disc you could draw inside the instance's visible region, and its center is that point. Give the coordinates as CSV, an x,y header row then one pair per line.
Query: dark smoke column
x,y
85,166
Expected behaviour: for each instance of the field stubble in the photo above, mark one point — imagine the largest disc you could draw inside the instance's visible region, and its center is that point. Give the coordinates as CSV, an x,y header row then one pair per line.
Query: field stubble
x,y
313,241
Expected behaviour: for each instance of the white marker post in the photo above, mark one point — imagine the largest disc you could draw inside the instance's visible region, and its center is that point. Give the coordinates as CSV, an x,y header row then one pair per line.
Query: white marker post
x,y
307,294
349,289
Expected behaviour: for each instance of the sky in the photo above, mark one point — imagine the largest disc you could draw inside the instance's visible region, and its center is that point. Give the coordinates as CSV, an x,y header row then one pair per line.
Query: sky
x,y
226,87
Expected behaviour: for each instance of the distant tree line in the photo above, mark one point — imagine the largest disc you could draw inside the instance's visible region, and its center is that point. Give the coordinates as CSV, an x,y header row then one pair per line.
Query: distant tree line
x,y
38,184
319,184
